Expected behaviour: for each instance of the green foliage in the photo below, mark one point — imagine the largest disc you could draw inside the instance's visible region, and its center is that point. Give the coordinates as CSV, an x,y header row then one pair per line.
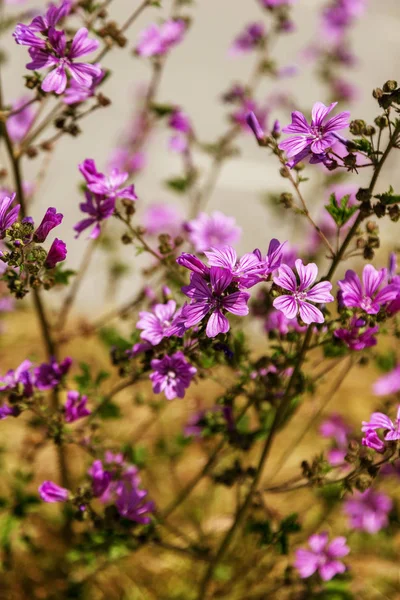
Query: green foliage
x,y
388,198
386,361
87,382
161,110
341,212
180,185
109,410
113,339
62,276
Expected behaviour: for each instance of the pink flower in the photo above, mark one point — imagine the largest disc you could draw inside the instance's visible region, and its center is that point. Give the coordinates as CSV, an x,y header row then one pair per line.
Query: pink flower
x,y
368,511
298,301
367,296
157,40
379,420
155,325
162,218
322,557
214,231
389,383
314,139
51,492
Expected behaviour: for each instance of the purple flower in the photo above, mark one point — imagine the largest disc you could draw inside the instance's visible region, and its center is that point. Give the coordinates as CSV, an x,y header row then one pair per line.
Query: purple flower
x,y
273,258
157,40
99,209
340,15
56,53
252,37
75,407
335,427
313,139
246,271
110,186
155,325
56,254
357,336
130,503
379,420
194,264
19,380
368,511
19,124
254,124
372,440
8,214
277,321
389,383
50,220
7,411
49,375
179,121
302,293
77,92
51,492
171,375
213,298
367,296
101,479
162,218
322,557
214,231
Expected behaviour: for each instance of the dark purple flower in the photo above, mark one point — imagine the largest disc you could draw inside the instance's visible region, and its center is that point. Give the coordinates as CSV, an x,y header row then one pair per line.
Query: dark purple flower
x,y
75,407
214,231
379,420
250,38
8,214
172,375
99,209
50,220
109,186
213,298
101,479
49,375
322,557
302,293
130,503
313,139
389,383
368,511
56,254
7,411
56,53
367,296
357,336
51,492
156,324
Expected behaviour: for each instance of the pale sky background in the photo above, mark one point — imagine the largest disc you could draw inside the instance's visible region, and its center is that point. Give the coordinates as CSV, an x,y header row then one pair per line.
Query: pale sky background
x,y
197,72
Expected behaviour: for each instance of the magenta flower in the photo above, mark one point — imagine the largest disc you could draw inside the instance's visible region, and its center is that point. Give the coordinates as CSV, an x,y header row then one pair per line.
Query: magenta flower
x,y
49,375
162,218
172,375
155,325
109,186
101,479
252,37
7,411
130,503
214,231
75,407
322,557
273,258
254,124
372,440
213,298
158,40
51,492
50,220
340,15
335,427
246,271
180,121
19,124
19,380
302,293
357,336
379,420
314,139
368,511
99,209
389,383
57,253
77,92
8,214
367,296
61,57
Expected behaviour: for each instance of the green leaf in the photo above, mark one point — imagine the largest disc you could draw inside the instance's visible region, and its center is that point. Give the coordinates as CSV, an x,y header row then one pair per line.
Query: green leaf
x,y
112,338
62,276
162,110
362,144
386,362
109,410
340,212
388,197
179,184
